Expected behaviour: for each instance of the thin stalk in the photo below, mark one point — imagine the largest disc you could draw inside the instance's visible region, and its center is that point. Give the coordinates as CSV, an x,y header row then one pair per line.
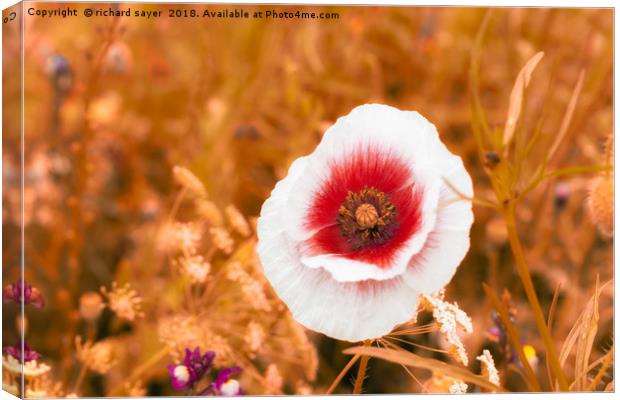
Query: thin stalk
x,y
527,374
480,202
530,291
386,344
572,104
607,359
74,205
427,348
541,175
80,378
91,333
361,373
342,374
554,303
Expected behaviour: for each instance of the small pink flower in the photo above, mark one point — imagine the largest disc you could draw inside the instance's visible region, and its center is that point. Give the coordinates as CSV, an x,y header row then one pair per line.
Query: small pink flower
x,y
367,222
224,385
194,367
23,291
15,351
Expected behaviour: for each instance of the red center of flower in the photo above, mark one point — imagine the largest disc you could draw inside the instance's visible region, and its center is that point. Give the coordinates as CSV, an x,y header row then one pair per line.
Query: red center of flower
x,y
367,208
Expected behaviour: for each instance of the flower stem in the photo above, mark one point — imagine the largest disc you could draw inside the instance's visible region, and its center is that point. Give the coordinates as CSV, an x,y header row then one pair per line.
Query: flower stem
x,y
361,372
80,379
341,374
530,291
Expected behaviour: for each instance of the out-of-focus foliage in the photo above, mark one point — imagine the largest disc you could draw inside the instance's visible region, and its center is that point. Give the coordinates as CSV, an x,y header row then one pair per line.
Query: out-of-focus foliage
x,y
113,105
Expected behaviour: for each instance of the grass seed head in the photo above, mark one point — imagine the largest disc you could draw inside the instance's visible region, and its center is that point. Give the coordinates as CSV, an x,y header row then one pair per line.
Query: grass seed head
x,y
601,204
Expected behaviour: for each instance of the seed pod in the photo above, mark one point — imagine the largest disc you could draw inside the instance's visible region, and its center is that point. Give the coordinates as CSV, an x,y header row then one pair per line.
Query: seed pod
x,y
491,159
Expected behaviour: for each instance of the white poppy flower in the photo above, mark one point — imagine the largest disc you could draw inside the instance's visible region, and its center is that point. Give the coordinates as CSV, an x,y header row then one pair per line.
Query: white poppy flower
x,y
363,225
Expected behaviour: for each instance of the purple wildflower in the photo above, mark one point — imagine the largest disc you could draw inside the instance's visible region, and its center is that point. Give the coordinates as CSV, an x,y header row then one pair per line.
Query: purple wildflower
x,y
193,368
223,385
499,334
15,351
59,71
13,292
562,193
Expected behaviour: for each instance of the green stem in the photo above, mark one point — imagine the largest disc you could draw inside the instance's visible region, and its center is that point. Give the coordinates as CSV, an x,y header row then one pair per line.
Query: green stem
x,y
530,291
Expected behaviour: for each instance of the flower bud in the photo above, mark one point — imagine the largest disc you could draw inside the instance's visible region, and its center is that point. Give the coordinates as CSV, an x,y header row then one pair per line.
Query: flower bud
x,y
91,305
562,194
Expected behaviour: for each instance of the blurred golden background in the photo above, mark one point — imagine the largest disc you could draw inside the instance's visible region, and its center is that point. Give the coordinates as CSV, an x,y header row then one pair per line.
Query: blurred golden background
x,y
112,105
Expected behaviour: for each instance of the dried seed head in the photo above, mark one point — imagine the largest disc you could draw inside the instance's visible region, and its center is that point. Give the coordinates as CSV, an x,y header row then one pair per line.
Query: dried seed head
x,y
187,236
195,268
222,239
441,383
450,319
273,379
179,332
98,357
601,204
209,212
124,301
488,367
458,387
189,181
252,288
237,221
255,337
